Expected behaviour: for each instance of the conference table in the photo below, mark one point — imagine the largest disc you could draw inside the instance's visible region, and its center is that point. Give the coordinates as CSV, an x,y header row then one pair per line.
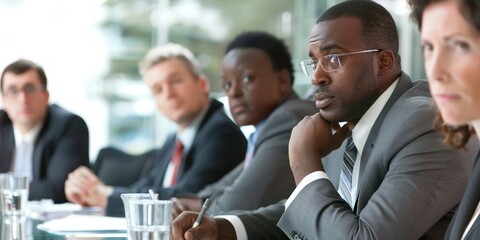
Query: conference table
x,y
26,229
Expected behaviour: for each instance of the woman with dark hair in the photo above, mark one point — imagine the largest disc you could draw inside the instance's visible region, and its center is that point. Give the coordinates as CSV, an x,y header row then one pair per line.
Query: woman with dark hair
x,y
450,36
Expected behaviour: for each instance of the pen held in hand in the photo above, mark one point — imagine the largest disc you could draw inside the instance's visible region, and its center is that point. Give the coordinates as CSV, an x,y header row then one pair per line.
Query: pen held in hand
x,y
205,206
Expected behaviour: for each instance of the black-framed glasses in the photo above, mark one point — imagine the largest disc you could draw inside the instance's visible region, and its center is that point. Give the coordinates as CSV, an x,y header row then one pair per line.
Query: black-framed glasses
x,y
329,63
28,89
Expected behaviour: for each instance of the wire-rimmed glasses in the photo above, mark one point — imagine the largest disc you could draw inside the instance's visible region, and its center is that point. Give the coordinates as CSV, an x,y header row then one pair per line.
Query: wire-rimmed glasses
x,y
329,63
28,89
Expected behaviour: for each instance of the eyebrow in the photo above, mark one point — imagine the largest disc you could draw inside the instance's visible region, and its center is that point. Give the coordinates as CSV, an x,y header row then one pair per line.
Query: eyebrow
x,y
327,48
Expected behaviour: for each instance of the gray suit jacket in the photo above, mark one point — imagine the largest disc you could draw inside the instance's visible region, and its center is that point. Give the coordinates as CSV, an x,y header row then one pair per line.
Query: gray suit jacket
x,y
408,185
268,178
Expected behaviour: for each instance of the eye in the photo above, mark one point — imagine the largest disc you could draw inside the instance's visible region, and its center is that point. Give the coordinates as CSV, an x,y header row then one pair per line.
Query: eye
x,y
333,58
426,49
156,90
29,88
247,78
12,91
176,81
226,85
461,46
314,64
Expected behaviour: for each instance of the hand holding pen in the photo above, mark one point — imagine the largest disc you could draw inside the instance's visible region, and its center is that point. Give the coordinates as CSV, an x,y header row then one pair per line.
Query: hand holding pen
x,y
205,206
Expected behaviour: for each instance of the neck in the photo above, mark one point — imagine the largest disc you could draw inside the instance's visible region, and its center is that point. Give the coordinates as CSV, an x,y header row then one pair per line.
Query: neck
x,y
25,128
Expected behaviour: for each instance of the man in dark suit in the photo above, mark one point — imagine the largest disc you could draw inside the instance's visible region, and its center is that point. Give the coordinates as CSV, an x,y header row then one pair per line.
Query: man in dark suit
x,y
206,146
257,78
383,175
44,142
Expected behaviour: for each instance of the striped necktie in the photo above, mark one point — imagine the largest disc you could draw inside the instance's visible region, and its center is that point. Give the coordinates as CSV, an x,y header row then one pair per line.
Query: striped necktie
x,y
349,157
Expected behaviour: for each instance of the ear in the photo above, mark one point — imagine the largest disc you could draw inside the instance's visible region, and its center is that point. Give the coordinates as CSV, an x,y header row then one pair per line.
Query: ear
x,y
203,83
47,95
386,61
285,82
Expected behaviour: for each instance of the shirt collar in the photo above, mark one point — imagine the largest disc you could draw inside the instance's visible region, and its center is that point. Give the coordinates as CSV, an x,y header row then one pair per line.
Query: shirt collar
x,y
362,129
188,134
28,137
258,128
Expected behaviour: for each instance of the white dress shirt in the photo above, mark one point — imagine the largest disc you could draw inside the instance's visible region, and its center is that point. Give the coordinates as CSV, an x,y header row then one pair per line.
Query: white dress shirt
x,y
22,161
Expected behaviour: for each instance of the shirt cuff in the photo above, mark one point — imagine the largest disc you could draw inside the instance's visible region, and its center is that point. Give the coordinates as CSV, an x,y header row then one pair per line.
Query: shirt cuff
x,y
305,181
240,230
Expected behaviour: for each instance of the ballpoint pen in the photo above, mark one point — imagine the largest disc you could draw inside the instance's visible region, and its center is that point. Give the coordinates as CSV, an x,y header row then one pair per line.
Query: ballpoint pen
x,y
205,206
153,195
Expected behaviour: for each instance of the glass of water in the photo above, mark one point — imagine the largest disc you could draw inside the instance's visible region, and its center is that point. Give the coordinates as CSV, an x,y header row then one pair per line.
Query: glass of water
x,y
149,219
126,198
13,194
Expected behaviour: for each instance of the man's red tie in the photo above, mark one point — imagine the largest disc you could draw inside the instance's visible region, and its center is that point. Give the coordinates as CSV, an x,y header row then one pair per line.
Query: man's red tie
x,y
176,160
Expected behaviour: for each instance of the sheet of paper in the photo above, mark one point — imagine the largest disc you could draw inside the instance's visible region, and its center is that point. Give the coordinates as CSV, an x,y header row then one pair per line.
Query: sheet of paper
x,y
46,210
85,223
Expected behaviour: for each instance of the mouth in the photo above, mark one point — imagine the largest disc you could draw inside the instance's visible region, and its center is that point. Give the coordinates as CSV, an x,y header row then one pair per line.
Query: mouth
x,y
323,100
446,97
237,109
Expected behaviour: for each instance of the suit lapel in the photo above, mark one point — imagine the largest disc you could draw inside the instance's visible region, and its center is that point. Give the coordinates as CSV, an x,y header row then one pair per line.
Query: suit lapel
x,y
404,83
260,136
468,205
186,159
332,166
7,142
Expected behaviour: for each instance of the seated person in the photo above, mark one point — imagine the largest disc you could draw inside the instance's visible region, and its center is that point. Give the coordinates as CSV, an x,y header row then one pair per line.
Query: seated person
x,y
257,78
385,174
44,142
206,146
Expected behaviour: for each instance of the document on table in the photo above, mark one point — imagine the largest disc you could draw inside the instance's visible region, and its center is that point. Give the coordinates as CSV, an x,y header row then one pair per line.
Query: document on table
x,y
85,225
46,210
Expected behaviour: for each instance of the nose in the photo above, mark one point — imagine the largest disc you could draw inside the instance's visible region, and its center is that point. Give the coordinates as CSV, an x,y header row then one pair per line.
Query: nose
x,y
169,91
235,90
437,66
21,96
320,77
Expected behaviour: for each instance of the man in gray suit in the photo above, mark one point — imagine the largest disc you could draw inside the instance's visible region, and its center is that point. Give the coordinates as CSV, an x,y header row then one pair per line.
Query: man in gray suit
x,y
397,180
257,78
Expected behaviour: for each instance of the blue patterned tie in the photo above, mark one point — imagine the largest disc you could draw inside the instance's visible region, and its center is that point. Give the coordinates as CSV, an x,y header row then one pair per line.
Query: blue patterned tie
x,y
250,150
349,158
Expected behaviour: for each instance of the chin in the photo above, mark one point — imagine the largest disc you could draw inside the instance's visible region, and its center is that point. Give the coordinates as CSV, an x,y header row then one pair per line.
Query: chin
x,y
454,120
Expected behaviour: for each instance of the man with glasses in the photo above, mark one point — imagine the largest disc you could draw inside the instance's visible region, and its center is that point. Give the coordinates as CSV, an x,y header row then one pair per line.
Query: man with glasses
x,y
44,142
383,175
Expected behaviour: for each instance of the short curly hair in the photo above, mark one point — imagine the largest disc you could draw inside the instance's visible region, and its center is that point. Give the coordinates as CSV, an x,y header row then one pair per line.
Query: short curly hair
x,y
274,47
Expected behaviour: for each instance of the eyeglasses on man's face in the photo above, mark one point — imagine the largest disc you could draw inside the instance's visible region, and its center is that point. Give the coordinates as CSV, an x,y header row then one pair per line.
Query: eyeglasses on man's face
x,y
329,63
28,89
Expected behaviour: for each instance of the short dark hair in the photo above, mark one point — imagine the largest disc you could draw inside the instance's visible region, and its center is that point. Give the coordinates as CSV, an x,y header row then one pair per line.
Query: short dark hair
x,y
21,66
378,26
469,9
274,47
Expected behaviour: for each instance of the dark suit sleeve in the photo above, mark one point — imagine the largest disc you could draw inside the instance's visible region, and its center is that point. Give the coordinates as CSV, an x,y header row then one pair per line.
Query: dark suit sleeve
x,y
424,179
66,149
